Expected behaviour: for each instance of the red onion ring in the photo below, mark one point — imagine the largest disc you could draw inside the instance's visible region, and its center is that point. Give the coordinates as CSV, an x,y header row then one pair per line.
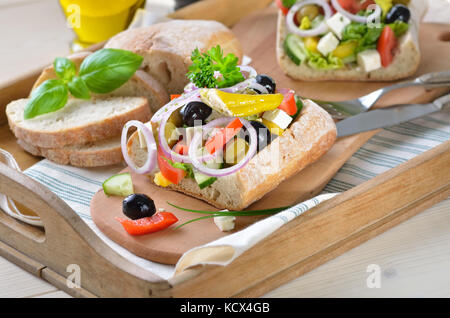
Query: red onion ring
x,y
250,70
169,153
222,172
150,164
259,87
175,104
320,29
354,17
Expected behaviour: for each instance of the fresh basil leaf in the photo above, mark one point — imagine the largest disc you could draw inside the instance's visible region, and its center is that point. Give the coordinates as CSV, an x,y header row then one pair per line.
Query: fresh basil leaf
x,y
49,97
78,88
106,70
64,68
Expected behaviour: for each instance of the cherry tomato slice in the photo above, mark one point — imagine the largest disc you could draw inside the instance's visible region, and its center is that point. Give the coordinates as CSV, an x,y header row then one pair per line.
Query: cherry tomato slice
x,y
289,105
386,45
181,148
354,6
169,172
282,7
220,139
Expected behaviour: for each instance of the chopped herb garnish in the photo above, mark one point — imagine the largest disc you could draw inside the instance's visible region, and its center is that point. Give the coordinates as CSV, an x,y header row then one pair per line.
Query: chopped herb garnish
x,y
204,66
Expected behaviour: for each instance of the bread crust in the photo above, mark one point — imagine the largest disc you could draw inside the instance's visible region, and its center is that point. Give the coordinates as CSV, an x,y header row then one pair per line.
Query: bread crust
x,y
141,84
81,135
167,47
309,138
406,60
83,157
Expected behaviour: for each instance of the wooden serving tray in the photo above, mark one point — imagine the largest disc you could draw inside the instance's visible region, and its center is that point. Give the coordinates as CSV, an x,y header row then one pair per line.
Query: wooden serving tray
x,y
344,222
168,246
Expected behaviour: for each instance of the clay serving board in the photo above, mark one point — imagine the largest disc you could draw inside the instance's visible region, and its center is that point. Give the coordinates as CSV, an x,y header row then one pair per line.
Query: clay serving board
x,y
257,34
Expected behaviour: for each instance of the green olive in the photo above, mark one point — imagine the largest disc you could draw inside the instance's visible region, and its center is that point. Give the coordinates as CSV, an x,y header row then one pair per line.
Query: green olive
x,y
235,151
171,134
311,11
176,118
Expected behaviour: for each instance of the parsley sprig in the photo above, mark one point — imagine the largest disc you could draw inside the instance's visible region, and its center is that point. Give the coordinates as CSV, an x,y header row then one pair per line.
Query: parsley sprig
x,y
205,65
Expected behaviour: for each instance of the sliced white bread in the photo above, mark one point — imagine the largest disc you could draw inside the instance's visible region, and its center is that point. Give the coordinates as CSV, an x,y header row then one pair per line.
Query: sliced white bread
x,y
167,47
309,138
141,84
78,123
406,60
98,154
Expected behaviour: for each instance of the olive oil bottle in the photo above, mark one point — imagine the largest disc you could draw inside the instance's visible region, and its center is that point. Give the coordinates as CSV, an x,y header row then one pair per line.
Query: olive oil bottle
x,y
94,21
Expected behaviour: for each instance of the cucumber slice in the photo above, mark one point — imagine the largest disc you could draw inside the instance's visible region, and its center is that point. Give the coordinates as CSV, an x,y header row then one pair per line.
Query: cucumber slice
x,y
119,185
299,104
203,180
295,48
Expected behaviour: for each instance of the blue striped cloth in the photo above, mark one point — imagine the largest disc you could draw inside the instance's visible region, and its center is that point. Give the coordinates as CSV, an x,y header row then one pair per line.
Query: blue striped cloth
x,y
391,147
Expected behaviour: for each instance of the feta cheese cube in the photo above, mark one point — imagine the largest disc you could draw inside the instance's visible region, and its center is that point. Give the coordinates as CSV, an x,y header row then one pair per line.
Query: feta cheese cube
x,y
369,60
225,223
278,117
327,44
337,24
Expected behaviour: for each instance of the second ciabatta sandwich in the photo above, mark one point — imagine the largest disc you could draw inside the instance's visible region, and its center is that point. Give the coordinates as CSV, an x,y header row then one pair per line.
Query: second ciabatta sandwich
x,y
352,40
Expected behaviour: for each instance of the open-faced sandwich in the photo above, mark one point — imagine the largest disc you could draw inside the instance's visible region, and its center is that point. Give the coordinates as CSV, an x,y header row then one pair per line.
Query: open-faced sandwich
x,y
361,40
231,137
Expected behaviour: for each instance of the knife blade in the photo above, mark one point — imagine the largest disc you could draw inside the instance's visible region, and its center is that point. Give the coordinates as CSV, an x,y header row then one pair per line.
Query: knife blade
x,y
387,117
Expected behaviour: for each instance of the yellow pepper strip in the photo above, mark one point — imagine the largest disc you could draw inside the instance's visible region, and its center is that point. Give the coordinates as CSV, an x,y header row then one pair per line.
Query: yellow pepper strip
x,y
345,49
305,24
161,181
311,43
242,105
274,128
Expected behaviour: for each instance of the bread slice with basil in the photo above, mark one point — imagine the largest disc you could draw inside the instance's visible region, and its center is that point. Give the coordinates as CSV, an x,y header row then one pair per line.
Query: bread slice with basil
x,y
140,84
311,135
78,123
167,47
98,154
405,63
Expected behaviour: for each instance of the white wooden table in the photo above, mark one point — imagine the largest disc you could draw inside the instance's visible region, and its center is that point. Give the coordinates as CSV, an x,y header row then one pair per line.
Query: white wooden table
x,y
413,258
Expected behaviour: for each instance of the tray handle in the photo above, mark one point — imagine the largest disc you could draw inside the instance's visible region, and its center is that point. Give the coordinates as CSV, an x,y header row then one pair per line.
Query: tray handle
x,y
69,241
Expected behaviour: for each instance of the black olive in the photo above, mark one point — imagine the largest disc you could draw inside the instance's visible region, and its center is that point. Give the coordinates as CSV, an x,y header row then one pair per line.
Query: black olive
x,y
138,206
398,12
195,111
263,133
267,82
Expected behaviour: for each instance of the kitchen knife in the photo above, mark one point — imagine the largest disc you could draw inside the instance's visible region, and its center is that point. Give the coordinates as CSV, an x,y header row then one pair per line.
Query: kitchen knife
x,y
388,117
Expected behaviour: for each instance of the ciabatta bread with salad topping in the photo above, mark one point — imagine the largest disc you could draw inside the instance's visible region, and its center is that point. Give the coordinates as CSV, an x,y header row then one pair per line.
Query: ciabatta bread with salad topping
x,y
308,138
232,142
347,49
167,47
